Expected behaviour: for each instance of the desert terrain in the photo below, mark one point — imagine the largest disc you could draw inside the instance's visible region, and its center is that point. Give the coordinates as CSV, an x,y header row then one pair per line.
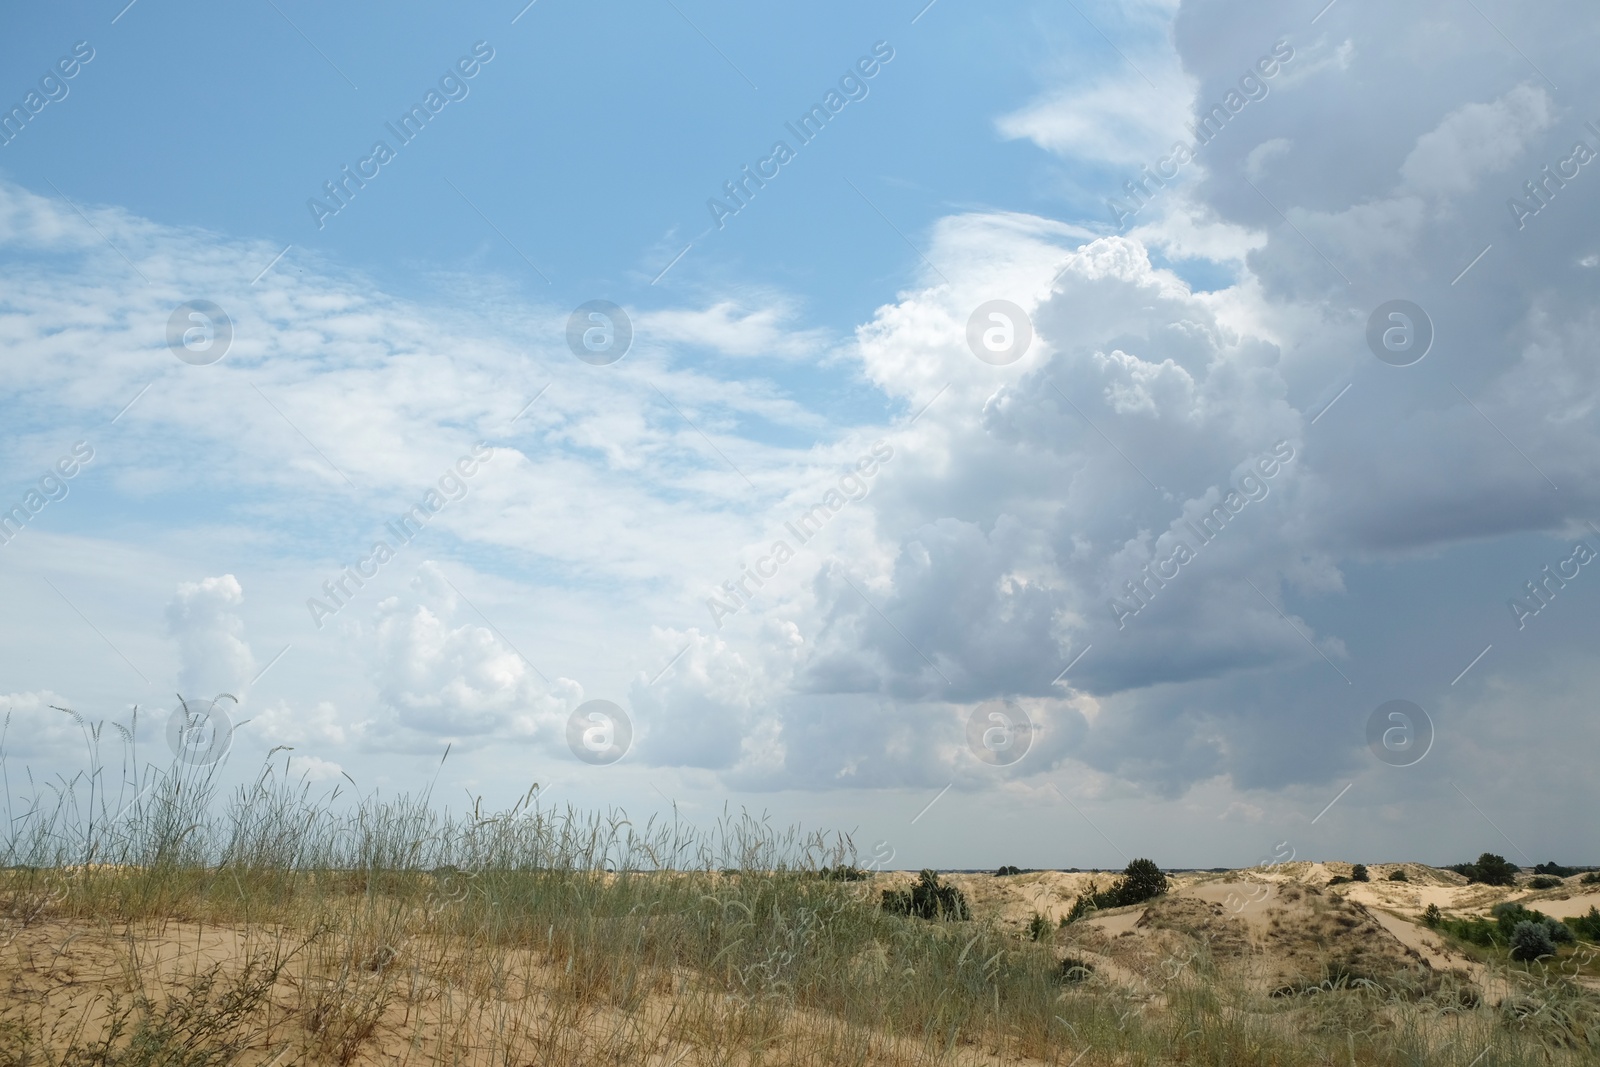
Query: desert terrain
x,y
678,969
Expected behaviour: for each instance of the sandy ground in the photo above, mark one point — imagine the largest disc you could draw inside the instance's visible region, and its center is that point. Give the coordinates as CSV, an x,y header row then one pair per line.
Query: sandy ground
x,y
1256,905
1278,929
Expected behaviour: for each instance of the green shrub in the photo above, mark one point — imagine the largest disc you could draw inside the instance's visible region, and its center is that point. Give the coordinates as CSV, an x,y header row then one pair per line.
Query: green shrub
x,y
1141,880
1543,881
1531,941
1587,926
1473,931
1555,868
1592,878
1038,927
1509,914
843,874
1490,869
1432,916
1007,870
1399,875
927,899
1560,932
1082,906
1358,873
1338,879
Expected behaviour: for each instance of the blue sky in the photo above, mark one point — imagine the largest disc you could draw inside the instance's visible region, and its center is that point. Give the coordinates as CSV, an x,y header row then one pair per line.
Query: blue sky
x,y
978,568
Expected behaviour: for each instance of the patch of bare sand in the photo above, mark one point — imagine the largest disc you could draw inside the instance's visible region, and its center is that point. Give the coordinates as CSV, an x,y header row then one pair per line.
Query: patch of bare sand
x,y
1563,904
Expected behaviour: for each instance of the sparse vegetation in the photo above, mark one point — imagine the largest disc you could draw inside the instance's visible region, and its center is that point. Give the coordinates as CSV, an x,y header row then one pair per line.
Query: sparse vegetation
x,y
167,925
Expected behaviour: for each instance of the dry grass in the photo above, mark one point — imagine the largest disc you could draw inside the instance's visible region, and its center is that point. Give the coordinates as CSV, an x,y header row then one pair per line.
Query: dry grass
x,y
156,923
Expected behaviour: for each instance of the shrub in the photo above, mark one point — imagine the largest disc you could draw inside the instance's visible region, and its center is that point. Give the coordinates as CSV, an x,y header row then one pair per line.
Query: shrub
x,y
927,899
1474,931
1082,906
1358,873
1543,881
1141,880
1338,879
1587,926
1038,927
1531,941
1007,870
1509,914
843,874
1399,875
1555,868
1592,878
1489,869
1560,932
1432,916
1074,970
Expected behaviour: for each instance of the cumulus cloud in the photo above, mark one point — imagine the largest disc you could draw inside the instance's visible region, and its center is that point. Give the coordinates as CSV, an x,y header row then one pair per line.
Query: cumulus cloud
x,y
438,679
1023,503
214,657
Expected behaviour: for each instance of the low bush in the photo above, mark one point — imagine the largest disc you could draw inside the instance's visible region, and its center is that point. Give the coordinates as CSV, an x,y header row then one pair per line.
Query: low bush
x,y
1358,873
1038,927
1587,926
1473,931
843,874
1432,916
1592,878
1007,871
1543,881
1399,875
1531,941
927,899
1339,879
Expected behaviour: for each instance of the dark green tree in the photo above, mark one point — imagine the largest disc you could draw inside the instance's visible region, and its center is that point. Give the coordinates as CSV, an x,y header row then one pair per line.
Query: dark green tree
x,y
1490,870
1141,880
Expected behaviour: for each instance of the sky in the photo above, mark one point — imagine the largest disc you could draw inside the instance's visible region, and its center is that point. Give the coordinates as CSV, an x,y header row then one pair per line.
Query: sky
x,y
1019,433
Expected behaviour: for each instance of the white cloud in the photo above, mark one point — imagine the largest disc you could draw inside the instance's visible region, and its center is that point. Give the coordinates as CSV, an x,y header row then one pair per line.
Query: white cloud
x,y
437,679
726,327
203,618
